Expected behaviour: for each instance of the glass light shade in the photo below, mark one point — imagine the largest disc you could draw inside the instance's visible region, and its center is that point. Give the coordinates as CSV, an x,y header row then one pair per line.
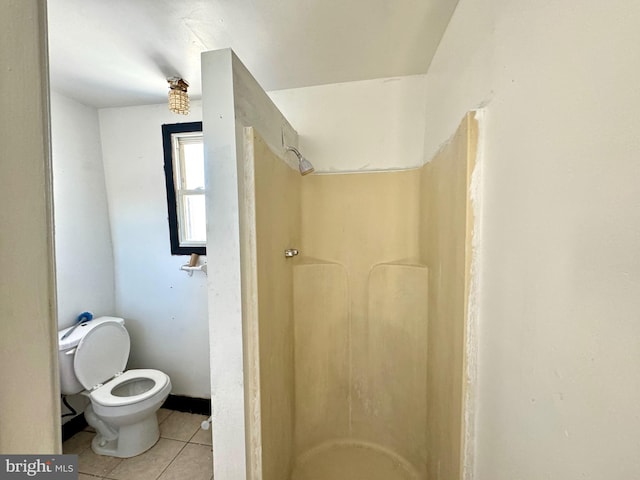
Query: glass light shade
x,y
178,101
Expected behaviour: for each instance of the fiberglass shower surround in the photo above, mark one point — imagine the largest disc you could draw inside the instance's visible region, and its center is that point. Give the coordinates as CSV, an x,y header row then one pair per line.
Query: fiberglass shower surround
x,y
350,355
342,327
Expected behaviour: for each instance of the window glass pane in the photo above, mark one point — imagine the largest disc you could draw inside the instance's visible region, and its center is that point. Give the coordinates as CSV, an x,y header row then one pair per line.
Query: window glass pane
x,y
194,228
193,165
183,146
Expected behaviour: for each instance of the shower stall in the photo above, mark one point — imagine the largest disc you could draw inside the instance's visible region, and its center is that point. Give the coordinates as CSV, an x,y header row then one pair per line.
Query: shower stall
x,y
352,353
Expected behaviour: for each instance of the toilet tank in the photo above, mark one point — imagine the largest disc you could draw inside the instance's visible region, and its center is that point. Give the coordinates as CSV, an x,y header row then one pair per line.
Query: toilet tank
x,y
69,384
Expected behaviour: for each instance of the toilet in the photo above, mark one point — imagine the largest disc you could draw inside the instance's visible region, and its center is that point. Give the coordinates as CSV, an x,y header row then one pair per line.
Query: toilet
x,y
123,405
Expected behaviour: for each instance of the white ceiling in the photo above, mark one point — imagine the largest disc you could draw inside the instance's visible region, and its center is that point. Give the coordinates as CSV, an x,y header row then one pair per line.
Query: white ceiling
x,y
120,52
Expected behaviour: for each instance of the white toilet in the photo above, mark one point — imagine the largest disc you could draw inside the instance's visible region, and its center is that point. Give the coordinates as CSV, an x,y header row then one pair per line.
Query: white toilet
x,y
123,403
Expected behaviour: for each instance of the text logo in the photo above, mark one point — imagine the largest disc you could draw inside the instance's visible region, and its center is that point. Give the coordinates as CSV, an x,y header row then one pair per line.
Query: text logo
x,y
50,467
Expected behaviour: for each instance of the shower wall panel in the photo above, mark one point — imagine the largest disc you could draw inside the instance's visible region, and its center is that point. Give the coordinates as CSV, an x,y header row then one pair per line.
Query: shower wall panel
x,y
396,389
277,226
446,229
361,327
321,312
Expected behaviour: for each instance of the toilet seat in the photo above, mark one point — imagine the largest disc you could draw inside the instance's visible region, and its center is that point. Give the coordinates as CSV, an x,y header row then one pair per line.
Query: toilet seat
x,y
99,364
103,395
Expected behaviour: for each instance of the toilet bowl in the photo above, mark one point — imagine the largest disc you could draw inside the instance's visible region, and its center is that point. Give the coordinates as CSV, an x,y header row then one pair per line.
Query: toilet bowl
x,y
123,403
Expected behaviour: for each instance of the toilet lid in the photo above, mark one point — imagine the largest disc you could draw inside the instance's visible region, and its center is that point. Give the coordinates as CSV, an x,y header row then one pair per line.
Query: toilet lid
x,y
101,354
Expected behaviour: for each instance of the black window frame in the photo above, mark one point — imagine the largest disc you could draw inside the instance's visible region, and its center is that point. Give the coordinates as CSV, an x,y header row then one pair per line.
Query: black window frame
x,y
174,236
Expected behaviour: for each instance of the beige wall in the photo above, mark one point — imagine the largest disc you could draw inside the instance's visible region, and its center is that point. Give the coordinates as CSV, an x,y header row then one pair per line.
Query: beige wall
x,y
446,230
276,187
361,314
29,403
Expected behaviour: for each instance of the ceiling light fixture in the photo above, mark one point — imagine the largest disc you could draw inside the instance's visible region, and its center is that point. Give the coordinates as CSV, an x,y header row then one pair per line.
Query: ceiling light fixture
x,y
178,96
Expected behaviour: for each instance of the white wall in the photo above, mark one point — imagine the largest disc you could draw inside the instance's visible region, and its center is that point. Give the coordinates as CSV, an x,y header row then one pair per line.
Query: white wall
x,y
228,344
367,125
233,100
559,387
376,124
84,256
165,309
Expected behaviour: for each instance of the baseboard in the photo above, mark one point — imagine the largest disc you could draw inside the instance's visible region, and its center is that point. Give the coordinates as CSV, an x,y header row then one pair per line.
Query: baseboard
x,y
201,406
73,426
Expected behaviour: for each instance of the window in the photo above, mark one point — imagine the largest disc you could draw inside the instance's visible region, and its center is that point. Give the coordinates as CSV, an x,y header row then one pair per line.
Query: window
x,y
184,175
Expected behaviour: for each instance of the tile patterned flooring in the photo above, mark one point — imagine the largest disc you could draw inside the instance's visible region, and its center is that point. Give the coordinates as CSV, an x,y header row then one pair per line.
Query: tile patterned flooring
x,y
183,451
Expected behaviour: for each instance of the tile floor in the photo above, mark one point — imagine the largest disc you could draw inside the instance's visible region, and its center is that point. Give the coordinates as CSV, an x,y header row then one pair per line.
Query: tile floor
x,y
183,451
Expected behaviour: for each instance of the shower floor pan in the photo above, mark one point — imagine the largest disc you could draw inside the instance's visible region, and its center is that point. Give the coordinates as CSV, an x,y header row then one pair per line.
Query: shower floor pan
x,y
352,461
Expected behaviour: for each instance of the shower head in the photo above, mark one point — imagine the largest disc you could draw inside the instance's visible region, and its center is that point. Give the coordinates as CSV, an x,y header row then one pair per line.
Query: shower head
x,y
304,165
